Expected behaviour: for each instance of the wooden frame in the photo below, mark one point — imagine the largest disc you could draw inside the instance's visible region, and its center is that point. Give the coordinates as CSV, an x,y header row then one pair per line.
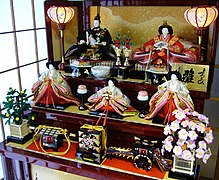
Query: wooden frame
x,y
24,158
73,28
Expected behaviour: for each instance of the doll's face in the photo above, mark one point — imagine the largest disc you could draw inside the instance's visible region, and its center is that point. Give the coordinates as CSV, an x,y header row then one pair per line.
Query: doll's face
x,y
173,77
51,67
110,83
165,31
96,23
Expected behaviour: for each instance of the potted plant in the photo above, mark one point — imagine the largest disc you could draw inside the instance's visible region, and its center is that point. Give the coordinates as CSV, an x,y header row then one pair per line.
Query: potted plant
x,y
17,113
188,138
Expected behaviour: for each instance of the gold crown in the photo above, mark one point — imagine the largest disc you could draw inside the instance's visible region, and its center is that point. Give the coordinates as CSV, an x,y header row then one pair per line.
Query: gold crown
x,y
165,23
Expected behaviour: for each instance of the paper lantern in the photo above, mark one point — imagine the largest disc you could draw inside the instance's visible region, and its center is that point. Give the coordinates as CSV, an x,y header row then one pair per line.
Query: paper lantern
x,y
61,16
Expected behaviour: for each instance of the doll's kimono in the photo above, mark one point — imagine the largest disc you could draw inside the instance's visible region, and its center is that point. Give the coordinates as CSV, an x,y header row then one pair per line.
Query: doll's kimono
x,y
179,51
111,99
170,96
51,89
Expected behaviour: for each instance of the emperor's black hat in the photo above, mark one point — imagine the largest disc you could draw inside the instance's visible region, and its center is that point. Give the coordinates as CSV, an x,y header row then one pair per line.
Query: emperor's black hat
x,y
97,17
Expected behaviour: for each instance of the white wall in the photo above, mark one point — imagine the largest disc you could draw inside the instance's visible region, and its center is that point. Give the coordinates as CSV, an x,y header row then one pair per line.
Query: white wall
x,y
211,110
40,173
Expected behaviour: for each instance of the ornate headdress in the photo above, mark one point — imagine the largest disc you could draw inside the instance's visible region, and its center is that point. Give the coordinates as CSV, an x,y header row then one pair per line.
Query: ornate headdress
x,y
165,25
97,17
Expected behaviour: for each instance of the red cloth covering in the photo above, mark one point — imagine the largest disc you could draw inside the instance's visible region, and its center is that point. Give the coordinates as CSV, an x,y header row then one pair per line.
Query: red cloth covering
x,y
70,154
128,165
119,163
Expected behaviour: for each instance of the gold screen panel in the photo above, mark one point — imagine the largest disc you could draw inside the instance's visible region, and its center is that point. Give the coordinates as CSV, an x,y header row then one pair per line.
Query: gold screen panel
x,y
141,23
194,75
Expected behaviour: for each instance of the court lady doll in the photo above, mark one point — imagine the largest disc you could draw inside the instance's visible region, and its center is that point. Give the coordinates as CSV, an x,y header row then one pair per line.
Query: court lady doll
x,y
172,94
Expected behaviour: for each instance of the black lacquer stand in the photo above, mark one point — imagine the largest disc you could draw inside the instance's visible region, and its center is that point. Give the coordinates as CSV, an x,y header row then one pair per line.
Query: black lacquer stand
x,y
20,140
144,110
82,107
183,176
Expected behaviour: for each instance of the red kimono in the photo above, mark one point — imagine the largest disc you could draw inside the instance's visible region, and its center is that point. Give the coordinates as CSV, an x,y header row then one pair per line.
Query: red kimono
x,y
52,89
177,51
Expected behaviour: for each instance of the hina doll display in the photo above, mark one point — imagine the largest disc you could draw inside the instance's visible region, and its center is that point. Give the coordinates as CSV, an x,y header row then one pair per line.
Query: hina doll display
x,y
171,95
109,98
166,47
96,39
52,90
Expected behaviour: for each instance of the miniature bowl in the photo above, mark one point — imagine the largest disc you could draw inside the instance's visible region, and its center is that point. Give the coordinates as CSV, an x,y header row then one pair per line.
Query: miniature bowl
x,y
100,72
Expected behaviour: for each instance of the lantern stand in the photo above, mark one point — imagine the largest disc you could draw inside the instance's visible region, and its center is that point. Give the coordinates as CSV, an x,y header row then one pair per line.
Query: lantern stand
x,y
201,18
61,15
61,28
200,32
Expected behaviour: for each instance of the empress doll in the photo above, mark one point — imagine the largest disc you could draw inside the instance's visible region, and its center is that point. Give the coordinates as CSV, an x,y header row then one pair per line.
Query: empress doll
x,y
166,46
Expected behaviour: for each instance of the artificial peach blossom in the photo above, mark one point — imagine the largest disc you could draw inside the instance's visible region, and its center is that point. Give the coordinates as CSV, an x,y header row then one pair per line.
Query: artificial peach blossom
x,y
199,153
187,155
183,134
177,150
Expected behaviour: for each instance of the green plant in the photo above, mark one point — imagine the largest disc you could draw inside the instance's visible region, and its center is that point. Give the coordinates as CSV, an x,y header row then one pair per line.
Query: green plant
x,y
17,106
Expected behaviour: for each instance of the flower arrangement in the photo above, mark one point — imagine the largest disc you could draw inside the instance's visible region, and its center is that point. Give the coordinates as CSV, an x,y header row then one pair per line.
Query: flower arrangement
x,y
122,47
16,104
188,134
122,44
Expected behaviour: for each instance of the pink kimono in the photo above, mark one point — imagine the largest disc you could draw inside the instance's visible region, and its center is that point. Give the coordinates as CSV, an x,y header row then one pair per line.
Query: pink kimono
x,y
168,98
52,89
111,99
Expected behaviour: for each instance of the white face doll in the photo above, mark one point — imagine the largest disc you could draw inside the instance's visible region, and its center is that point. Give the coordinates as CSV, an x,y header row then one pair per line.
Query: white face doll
x,y
173,84
51,70
165,32
51,67
110,84
96,23
162,44
174,77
